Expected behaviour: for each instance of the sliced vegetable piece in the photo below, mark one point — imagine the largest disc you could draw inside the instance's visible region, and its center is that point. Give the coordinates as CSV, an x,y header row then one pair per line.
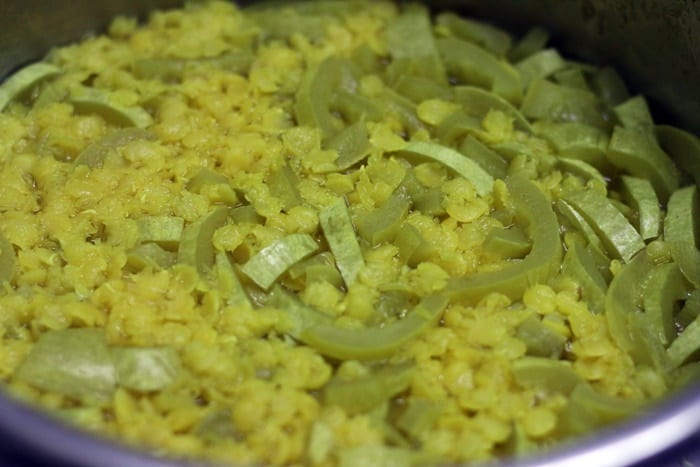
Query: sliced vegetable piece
x,y
573,77
403,109
610,86
680,231
534,213
683,147
666,286
581,168
579,223
456,125
419,89
376,342
489,37
418,417
410,40
75,363
640,156
471,64
246,214
620,238
166,231
196,247
352,145
342,241
580,264
150,255
283,184
588,409
7,259
624,297
576,141
489,160
641,196
478,103
367,392
507,243
24,80
634,114
320,267
272,261
540,340
429,202
91,100
382,224
686,345
95,153
413,248
205,177
234,293
534,40
470,170
313,99
355,107
690,310
545,373
146,369
173,69
549,101
541,64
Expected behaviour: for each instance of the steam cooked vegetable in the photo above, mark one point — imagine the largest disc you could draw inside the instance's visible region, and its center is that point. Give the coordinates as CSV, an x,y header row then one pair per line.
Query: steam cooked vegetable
x,y
340,233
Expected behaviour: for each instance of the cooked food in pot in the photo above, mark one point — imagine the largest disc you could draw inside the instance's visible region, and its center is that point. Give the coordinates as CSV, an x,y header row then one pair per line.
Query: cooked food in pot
x,y
339,233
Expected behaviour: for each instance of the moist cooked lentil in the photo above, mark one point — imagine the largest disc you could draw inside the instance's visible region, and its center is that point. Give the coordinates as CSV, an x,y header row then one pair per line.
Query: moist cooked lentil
x,y
338,233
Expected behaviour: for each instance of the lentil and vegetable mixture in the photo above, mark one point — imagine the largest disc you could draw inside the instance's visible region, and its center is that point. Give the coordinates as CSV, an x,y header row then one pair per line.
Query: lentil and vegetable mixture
x,y
339,233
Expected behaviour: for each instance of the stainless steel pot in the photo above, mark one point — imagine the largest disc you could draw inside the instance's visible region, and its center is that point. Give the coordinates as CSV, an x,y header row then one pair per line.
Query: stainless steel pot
x,y
654,43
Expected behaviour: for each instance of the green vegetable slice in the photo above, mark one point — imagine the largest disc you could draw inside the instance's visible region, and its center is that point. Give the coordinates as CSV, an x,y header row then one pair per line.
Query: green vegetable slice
x,y
150,255
491,38
588,409
7,259
234,293
146,369
534,212
690,310
549,101
489,160
683,147
418,417
609,85
372,343
166,231
579,223
340,235
680,231
478,103
533,41
472,65
574,140
95,153
640,156
579,263
541,64
355,107
196,247
641,196
685,345
545,373
413,248
25,79
173,69
455,126
382,224
634,114
320,267
75,363
283,184
470,170
91,100
507,243
581,168
620,238
419,89
272,261
541,341
313,99
665,286
352,145
410,41
367,392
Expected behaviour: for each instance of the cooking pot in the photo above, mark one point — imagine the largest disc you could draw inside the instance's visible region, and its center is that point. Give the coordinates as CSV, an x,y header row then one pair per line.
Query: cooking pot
x,y
655,44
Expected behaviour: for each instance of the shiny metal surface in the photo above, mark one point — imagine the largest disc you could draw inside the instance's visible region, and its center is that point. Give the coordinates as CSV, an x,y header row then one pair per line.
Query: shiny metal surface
x,y
656,45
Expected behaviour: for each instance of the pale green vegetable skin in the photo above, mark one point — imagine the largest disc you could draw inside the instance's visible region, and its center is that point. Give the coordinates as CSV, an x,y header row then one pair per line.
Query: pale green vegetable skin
x,y
25,79
470,170
146,369
91,100
340,235
680,233
196,248
272,261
